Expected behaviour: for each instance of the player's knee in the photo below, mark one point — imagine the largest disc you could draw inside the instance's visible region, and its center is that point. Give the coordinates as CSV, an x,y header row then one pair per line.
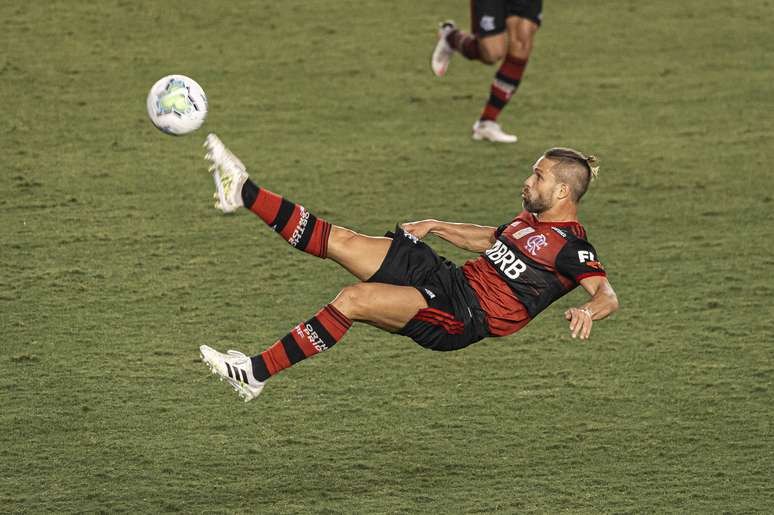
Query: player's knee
x,y
492,49
519,52
492,56
341,237
353,301
519,48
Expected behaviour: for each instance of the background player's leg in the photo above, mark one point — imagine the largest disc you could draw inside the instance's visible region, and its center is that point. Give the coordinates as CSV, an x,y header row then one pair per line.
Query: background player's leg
x,y
493,48
386,306
521,34
487,49
486,41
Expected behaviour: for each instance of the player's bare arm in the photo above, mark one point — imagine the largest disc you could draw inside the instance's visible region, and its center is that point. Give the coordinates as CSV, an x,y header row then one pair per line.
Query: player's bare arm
x,y
603,302
472,237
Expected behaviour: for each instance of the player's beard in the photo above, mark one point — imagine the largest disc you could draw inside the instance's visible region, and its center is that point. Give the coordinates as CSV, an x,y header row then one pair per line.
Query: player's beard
x,y
535,204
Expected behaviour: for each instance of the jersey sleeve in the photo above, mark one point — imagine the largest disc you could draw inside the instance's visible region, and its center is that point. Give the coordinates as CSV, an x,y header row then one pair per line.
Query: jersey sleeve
x,y
500,230
578,260
503,227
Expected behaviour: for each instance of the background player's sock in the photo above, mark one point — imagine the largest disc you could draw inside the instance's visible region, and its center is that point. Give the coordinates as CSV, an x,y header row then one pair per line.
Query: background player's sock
x,y
465,44
295,224
504,85
317,334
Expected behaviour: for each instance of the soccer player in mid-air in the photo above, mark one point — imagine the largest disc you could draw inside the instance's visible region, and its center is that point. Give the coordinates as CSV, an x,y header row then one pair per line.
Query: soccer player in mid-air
x,y
406,288
502,32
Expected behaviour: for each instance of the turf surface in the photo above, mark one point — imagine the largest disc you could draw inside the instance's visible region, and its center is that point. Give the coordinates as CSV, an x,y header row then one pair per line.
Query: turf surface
x,y
114,267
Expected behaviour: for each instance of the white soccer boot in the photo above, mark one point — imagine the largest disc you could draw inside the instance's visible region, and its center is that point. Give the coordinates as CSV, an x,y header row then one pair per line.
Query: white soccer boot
x,y
228,172
491,131
234,367
443,52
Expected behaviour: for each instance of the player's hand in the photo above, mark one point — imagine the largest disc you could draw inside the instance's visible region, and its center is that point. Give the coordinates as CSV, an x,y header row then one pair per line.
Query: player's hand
x,y
580,322
418,229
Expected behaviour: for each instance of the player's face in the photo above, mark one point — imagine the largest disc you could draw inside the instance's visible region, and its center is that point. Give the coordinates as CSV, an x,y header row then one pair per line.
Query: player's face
x,y
537,194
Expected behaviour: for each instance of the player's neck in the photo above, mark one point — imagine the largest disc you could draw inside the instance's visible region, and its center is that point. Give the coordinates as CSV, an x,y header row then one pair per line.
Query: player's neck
x,y
564,213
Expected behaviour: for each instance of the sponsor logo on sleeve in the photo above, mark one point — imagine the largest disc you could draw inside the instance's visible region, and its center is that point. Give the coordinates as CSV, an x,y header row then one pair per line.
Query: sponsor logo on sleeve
x,y
585,255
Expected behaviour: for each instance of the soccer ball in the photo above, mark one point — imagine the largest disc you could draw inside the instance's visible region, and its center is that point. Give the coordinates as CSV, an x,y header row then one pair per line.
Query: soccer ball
x,y
177,105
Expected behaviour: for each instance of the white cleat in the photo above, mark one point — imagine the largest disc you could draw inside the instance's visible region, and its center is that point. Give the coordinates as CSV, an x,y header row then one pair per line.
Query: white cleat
x,y
443,52
228,172
491,131
234,367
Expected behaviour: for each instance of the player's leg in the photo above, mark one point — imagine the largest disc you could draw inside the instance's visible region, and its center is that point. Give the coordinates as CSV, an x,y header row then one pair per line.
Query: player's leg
x,y
383,305
359,254
520,33
521,36
234,189
486,42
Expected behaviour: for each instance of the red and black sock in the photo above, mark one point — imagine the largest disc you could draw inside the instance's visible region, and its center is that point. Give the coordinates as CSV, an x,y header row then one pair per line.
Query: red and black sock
x,y
317,334
292,221
464,43
505,83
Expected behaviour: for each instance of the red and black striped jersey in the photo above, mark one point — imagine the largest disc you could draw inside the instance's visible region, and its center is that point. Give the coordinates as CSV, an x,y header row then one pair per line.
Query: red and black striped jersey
x,y
530,265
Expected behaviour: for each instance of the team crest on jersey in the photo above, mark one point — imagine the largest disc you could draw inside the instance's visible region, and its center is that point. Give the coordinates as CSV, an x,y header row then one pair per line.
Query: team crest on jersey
x,y
535,243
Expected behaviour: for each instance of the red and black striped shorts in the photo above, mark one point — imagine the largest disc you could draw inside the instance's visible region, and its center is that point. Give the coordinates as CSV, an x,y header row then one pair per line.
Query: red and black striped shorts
x,y
454,318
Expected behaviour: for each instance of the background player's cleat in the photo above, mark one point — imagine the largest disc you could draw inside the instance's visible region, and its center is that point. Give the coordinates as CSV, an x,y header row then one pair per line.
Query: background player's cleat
x,y
443,52
228,172
491,131
234,367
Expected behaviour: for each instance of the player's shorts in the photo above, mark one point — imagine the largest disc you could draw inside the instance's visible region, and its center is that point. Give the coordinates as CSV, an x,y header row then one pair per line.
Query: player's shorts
x,y
454,318
487,17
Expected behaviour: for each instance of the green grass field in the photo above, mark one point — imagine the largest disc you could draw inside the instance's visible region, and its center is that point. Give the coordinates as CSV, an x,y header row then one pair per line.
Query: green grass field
x,y
114,267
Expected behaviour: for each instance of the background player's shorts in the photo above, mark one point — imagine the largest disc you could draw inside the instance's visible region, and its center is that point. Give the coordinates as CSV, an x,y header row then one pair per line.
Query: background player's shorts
x,y
487,17
454,318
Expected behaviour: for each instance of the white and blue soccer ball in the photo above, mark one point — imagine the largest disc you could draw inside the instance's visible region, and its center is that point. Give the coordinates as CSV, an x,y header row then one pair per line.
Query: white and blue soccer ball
x,y
177,105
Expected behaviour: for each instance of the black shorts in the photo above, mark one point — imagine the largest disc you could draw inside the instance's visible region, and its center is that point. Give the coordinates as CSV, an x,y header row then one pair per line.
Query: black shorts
x,y
487,17
454,318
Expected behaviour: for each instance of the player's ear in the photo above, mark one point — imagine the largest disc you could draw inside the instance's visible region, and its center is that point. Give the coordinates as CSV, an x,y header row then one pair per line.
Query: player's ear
x,y
563,191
